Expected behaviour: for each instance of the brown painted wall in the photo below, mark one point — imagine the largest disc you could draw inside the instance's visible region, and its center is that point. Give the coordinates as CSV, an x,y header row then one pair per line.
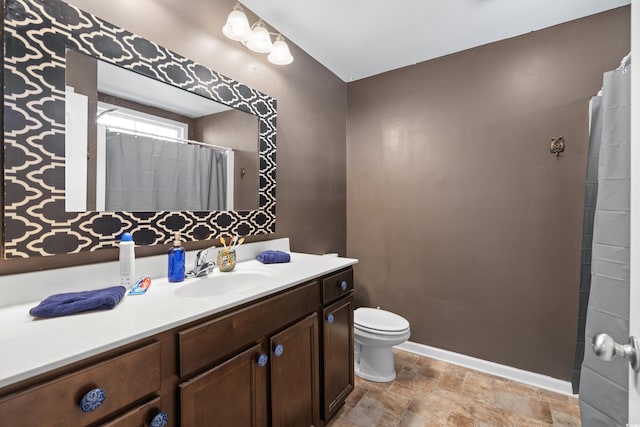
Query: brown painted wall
x,y
463,221
311,177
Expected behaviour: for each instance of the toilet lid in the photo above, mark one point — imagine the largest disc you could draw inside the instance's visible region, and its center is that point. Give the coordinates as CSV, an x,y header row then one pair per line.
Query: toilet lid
x,y
379,320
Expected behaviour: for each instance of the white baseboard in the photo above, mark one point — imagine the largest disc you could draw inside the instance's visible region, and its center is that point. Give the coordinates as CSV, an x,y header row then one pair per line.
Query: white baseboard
x,y
504,371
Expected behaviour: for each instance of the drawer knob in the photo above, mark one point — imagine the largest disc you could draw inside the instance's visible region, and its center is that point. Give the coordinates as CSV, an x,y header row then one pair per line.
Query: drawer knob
x,y
330,319
262,360
159,420
92,400
278,350
343,285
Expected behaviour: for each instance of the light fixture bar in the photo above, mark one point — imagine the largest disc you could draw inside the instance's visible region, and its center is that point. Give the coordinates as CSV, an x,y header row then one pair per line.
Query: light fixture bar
x,y
256,37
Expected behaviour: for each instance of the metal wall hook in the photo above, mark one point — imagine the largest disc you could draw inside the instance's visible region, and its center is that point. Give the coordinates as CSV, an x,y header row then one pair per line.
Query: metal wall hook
x,y
556,146
607,349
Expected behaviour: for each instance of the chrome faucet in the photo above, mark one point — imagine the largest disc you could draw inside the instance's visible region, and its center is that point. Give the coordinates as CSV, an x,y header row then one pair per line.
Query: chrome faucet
x,y
202,267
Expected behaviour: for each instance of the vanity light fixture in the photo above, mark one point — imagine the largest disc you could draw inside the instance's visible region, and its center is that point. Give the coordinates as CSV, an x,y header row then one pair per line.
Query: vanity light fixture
x,y
260,40
280,54
237,26
256,37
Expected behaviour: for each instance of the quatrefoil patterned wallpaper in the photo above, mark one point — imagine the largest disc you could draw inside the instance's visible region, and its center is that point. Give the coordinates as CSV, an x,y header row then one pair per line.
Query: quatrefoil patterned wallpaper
x,y
37,34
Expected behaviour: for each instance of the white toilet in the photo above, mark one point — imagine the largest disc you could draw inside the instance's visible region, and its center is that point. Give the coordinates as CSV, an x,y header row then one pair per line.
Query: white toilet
x,y
375,331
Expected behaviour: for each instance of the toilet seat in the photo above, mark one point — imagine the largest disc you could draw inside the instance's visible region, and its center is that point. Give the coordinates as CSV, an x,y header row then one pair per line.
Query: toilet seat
x,y
379,321
380,332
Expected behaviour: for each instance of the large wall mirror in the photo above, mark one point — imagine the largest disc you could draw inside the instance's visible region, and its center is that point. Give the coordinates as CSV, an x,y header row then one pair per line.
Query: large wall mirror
x,y
106,132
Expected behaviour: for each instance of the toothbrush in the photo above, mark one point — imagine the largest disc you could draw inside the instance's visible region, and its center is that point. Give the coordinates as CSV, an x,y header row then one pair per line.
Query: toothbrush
x,y
232,245
239,242
224,243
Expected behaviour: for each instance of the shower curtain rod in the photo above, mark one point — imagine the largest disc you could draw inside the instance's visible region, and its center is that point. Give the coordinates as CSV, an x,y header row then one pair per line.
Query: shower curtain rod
x,y
624,65
625,62
168,138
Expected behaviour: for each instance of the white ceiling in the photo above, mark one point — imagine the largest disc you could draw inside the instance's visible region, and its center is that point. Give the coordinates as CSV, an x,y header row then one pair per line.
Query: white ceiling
x,y
361,38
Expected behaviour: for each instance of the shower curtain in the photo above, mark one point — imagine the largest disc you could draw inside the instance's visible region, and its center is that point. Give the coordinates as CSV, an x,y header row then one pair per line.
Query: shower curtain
x,y
146,174
590,195
603,386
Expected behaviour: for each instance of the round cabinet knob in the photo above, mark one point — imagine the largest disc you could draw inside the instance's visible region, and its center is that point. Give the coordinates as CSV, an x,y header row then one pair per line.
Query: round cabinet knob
x,y
92,400
343,285
278,350
262,360
330,319
159,420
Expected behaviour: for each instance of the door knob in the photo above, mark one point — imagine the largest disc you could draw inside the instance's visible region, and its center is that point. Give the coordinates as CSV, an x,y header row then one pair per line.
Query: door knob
x,y
607,349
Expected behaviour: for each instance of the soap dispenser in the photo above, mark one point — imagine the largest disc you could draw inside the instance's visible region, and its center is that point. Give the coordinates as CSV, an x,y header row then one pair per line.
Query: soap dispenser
x,y
176,261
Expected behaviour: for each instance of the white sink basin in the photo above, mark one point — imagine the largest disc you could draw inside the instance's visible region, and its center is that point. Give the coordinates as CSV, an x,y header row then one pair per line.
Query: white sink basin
x,y
224,284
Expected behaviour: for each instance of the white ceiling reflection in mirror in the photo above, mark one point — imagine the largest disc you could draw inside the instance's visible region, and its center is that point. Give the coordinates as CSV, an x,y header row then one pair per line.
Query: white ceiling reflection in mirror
x,y
123,83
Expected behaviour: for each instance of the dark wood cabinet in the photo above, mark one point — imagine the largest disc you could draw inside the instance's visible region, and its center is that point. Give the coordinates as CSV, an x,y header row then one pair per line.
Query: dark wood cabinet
x,y
284,360
215,340
337,354
295,388
118,383
236,391
337,285
233,393
337,340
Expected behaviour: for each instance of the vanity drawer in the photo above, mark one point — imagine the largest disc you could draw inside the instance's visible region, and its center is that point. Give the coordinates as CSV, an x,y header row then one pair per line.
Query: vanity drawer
x,y
212,341
337,285
124,379
140,416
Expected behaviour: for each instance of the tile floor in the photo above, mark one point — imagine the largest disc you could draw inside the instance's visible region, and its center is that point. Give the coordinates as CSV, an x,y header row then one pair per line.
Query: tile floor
x,y
429,392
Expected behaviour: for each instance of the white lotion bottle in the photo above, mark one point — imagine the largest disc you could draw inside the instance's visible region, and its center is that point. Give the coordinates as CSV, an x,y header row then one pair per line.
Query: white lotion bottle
x,y
127,261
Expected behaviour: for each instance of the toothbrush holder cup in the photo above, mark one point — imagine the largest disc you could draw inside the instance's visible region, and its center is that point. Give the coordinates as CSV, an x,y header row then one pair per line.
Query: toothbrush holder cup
x,y
226,260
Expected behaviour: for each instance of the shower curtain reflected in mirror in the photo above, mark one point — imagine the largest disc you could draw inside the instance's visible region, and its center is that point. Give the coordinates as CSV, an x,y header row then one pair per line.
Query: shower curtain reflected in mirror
x,y
146,174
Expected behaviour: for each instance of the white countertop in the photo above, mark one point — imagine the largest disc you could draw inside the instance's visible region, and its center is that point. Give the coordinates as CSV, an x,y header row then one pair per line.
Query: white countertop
x,y
29,347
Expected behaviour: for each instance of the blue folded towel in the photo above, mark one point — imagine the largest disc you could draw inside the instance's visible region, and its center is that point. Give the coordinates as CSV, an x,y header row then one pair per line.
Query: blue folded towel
x,y
76,302
273,257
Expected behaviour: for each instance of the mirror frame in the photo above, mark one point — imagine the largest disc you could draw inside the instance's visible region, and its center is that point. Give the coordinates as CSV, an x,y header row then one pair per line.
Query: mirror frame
x,y
36,37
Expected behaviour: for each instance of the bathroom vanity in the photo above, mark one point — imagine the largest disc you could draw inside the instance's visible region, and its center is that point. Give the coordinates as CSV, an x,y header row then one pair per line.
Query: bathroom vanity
x,y
278,354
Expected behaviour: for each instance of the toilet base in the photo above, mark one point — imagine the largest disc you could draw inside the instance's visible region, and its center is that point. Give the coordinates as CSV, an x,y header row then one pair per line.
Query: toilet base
x,y
375,364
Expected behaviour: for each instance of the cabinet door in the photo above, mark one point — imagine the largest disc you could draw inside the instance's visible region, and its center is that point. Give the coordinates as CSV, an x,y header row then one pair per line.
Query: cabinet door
x,y
337,340
295,391
233,393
